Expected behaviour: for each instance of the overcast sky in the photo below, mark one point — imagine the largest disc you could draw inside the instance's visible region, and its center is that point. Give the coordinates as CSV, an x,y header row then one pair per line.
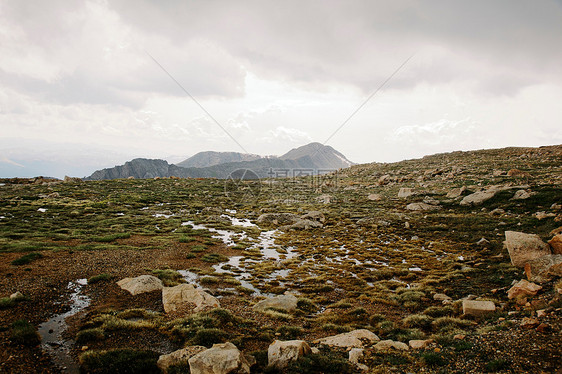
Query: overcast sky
x,y
78,82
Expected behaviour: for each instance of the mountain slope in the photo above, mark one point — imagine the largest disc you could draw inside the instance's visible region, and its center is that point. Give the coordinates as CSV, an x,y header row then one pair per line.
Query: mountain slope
x,y
323,156
211,158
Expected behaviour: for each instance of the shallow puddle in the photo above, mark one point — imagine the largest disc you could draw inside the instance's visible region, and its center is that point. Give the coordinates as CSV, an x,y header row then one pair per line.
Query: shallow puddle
x,y
51,331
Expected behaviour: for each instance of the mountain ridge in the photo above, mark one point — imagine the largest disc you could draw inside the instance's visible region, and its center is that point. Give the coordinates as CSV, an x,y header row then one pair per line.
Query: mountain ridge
x,y
313,156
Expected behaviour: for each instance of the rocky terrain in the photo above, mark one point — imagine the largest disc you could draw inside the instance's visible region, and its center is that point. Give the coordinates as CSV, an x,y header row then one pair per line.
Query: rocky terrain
x,y
446,264
313,156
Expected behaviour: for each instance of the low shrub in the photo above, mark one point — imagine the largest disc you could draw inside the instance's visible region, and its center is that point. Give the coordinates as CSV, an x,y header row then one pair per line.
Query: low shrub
x,y
123,360
89,335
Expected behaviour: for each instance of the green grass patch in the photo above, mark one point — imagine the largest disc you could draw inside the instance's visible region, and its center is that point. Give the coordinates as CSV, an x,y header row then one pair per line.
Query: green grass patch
x,y
27,259
99,278
125,360
214,258
24,333
6,303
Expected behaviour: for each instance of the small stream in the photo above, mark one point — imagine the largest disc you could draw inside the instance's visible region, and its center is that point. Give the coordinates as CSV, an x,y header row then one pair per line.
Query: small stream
x,y
51,331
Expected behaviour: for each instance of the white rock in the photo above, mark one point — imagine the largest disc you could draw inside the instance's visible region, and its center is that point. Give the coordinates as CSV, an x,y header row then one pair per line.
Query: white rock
x,y
417,207
478,307
523,247
385,345
281,353
355,354
350,339
221,359
419,344
140,284
405,192
184,296
286,302
178,357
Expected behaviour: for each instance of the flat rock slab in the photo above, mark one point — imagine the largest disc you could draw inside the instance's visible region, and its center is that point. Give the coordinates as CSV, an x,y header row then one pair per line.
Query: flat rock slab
x,y
478,307
184,296
281,353
354,339
141,284
524,247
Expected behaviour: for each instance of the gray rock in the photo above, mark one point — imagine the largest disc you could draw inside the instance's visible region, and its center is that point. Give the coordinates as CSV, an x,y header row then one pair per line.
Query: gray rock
x,y
181,356
314,215
286,302
478,198
405,192
221,359
385,345
523,247
478,307
521,195
544,269
456,192
185,296
140,284
17,296
418,207
353,339
281,353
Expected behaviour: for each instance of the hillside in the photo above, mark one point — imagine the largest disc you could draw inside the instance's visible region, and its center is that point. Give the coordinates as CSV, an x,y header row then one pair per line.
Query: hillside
x,y
211,158
446,264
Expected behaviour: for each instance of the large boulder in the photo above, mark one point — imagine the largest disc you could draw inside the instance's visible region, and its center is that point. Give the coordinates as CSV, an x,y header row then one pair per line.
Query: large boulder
x,y
556,244
221,359
478,307
523,247
281,353
285,302
278,219
353,339
544,268
186,297
140,284
522,289
181,356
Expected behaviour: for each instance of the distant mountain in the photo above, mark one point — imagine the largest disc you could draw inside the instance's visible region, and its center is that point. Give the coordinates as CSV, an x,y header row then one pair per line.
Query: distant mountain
x,y
211,158
313,156
322,156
